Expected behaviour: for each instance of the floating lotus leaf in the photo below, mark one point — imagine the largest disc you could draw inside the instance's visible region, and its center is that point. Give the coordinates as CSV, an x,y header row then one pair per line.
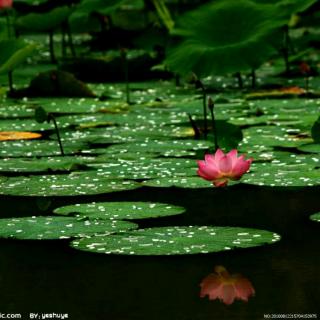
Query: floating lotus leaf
x,y
315,217
176,241
146,169
278,118
43,164
30,125
80,183
18,135
269,155
129,156
108,134
46,228
179,182
120,210
310,147
295,175
9,110
61,105
211,45
35,148
292,159
162,147
272,136
287,106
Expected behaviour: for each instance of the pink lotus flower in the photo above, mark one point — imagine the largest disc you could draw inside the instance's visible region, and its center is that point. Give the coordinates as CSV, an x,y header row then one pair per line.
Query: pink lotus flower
x,y
220,168
225,287
5,4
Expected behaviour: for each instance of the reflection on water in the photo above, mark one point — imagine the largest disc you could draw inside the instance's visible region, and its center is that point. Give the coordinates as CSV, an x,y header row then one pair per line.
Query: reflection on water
x,y
48,276
225,287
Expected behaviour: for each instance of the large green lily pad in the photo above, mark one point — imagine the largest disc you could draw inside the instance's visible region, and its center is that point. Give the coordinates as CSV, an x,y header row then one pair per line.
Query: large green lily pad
x,y
310,147
120,210
179,182
146,169
176,241
36,148
77,183
293,175
272,136
43,164
163,147
38,228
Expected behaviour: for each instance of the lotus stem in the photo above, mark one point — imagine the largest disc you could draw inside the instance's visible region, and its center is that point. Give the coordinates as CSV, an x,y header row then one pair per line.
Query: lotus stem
x,y
10,81
126,73
204,98
7,15
51,47
253,79
199,84
63,41
177,80
285,49
240,81
70,40
306,83
51,117
194,127
214,128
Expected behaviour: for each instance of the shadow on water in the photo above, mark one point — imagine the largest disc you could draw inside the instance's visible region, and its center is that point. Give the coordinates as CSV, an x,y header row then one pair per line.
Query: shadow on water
x,y
48,276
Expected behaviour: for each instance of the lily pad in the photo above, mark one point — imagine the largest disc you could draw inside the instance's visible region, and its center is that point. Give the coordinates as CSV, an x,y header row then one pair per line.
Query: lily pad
x,y
146,169
120,210
162,147
176,241
179,182
35,148
77,183
272,136
310,147
43,164
294,175
46,228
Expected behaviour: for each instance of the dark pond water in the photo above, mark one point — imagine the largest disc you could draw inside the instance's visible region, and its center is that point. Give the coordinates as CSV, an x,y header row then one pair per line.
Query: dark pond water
x,y
48,276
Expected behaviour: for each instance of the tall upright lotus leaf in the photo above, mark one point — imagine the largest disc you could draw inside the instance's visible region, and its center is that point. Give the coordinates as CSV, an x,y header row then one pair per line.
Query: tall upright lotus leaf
x,y
80,18
13,53
102,6
289,7
43,22
226,36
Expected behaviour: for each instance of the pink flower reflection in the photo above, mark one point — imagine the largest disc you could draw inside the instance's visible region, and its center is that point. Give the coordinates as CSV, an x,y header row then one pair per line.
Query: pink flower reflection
x,y
5,4
220,168
225,287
